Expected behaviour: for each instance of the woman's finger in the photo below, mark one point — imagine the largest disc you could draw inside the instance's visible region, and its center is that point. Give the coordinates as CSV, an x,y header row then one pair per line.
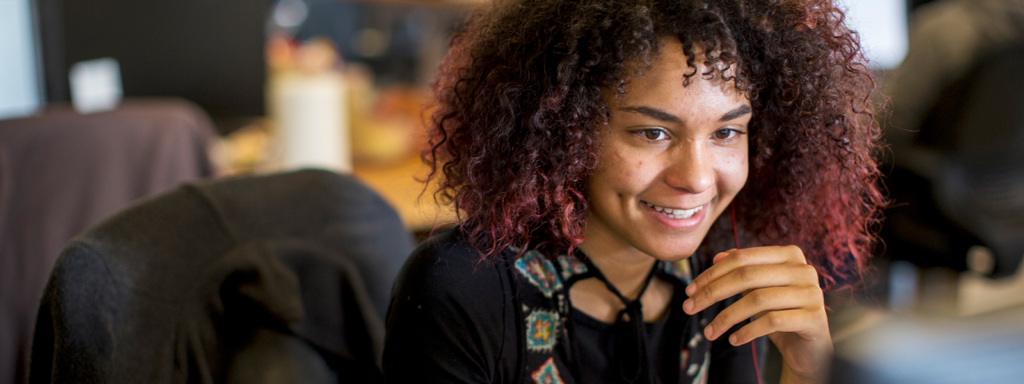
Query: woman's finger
x,y
746,278
763,301
804,322
726,262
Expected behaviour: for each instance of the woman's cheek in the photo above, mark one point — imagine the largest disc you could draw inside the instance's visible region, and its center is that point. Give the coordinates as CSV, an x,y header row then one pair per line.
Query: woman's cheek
x,y
733,168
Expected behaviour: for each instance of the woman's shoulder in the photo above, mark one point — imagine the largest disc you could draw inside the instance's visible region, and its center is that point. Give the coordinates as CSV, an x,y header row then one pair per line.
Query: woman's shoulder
x,y
451,316
446,256
447,268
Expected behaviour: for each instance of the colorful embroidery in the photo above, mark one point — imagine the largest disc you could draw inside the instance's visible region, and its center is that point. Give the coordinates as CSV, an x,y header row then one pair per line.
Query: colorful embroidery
x,y
696,339
547,374
680,269
541,331
540,272
701,373
571,266
545,312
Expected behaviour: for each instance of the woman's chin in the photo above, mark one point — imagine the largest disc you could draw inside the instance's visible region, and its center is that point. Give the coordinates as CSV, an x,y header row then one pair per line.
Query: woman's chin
x,y
674,251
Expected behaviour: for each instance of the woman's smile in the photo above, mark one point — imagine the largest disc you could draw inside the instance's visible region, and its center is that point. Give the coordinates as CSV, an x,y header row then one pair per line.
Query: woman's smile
x,y
675,213
677,218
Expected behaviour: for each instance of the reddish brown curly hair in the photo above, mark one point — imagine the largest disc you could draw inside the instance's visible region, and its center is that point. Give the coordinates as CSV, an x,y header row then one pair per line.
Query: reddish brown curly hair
x,y
518,98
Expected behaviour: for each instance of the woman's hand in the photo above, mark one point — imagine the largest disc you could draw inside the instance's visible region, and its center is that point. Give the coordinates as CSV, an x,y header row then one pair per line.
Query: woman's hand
x,y
780,290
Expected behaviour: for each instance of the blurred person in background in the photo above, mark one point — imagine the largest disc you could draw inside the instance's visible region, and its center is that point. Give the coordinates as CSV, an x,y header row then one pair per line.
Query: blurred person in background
x,y
947,38
647,187
957,175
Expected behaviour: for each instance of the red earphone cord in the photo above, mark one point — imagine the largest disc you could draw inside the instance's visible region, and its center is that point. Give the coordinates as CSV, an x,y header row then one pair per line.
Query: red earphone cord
x,y
753,349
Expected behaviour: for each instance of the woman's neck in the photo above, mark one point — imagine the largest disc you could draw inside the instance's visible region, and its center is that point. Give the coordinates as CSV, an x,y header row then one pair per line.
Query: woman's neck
x,y
626,269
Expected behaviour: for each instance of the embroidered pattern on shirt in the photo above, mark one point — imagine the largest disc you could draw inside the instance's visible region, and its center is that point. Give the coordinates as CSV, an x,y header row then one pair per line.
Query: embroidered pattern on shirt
x,y
701,371
540,272
541,330
684,356
571,266
547,374
694,340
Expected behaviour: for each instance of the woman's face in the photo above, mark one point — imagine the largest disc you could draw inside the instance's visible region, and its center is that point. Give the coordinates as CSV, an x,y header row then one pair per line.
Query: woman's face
x,y
672,159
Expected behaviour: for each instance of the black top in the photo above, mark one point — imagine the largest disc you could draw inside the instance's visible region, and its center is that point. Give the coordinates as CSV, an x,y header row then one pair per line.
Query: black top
x,y
597,347
455,318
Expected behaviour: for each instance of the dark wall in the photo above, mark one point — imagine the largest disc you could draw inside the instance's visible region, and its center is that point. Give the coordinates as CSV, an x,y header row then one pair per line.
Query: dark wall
x,y
207,51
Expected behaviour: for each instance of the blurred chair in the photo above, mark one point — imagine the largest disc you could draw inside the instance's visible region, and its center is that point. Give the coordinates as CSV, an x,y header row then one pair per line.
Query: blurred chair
x,y
268,279
61,172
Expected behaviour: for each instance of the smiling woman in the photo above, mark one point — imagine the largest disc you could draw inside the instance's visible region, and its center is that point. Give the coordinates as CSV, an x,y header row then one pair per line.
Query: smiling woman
x,y
646,187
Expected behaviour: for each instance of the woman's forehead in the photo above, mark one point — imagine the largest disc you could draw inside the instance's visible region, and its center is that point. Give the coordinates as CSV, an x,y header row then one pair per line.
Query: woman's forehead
x,y
671,67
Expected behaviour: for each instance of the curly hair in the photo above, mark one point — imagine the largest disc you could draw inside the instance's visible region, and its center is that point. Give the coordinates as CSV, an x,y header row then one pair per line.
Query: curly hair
x,y
519,104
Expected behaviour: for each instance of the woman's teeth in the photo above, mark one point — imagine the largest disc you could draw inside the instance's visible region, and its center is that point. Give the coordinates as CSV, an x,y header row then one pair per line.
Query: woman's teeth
x,y
675,213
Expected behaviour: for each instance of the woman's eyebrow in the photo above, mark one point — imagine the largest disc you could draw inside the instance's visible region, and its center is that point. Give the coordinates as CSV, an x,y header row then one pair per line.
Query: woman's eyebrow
x,y
735,113
665,116
654,113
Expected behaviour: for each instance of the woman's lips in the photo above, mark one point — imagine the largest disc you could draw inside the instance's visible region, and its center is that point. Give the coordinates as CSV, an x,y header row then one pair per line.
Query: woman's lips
x,y
677,218
675,213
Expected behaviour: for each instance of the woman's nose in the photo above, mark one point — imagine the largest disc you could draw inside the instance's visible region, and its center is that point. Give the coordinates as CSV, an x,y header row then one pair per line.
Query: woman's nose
x,y
691,169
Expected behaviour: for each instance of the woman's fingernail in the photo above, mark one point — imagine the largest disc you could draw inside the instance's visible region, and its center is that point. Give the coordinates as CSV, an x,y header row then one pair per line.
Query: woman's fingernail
x,y
709,332
689,289
732,339
688,305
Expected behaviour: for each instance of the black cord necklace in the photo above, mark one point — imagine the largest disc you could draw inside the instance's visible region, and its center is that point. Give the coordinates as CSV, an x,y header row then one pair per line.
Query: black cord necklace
x,y
630,336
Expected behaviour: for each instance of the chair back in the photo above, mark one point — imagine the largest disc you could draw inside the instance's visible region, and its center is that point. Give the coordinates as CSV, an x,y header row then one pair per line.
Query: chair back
x,y
277,278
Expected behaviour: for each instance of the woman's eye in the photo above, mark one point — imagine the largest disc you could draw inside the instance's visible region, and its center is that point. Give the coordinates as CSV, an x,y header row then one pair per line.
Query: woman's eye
x,y
726,133
654,134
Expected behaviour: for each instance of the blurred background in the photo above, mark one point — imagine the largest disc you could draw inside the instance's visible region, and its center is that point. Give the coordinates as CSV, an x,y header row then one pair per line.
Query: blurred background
x,y
251,87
